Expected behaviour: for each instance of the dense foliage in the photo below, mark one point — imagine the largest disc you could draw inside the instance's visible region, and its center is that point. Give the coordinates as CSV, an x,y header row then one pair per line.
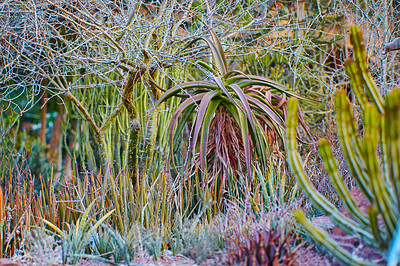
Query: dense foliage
x,y
135,128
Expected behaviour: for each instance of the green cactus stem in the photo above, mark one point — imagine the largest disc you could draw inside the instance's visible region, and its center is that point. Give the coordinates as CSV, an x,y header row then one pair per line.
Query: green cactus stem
x,y
373,159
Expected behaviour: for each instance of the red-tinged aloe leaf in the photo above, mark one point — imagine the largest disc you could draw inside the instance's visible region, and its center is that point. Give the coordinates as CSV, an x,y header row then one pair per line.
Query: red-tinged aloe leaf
x,y
218,45
206,66
184,105
221,85
217,57
200,117
282,100
267,97
282,106
187,85
230,73
270,124
212,107
261,145
258,92
257,88
282,89
241,77
303,124
242,121
248,80
185,117
268,110
245,104
249,114
246,142
186,114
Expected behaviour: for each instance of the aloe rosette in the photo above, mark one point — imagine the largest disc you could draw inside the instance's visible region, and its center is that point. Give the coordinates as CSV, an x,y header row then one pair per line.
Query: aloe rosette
x,y
256,104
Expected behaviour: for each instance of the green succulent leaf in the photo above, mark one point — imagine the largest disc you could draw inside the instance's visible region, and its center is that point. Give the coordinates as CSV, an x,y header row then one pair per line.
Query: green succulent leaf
x,y
220,50
200,115
360,54
340,187
392,131
218,58
212,107
206,66
356,82
318,200
244,81
350,143
372,157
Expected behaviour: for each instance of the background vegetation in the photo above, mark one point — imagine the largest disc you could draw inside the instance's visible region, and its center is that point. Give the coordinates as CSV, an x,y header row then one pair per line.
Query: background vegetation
x,y
135,128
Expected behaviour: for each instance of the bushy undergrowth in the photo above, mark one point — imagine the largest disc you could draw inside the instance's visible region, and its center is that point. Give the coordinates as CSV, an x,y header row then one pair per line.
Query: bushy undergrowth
x,y
148,143
93,219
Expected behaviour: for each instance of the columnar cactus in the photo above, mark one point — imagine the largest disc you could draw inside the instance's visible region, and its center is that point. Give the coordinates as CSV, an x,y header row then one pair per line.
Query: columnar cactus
x,y
376,173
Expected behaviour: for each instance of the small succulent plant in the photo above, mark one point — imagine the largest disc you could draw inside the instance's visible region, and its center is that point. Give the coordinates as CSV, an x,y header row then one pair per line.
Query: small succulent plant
x,y
261,247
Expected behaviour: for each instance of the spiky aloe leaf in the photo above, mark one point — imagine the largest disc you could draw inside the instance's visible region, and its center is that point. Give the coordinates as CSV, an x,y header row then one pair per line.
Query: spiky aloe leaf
x,y
188,104
203,106
55,228
182,107
267,109
220,50
218,58
242,121
254,112
207,66
246,142
244,81
216,50
212,107
182,87
221,85
182,123
323,239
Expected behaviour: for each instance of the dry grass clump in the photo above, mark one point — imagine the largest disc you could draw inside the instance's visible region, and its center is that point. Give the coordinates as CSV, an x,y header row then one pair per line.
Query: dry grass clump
x,y
39,248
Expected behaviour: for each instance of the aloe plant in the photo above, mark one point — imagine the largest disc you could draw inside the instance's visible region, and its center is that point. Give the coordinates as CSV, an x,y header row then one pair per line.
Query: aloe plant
x,y
246,113
75,241
376,174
